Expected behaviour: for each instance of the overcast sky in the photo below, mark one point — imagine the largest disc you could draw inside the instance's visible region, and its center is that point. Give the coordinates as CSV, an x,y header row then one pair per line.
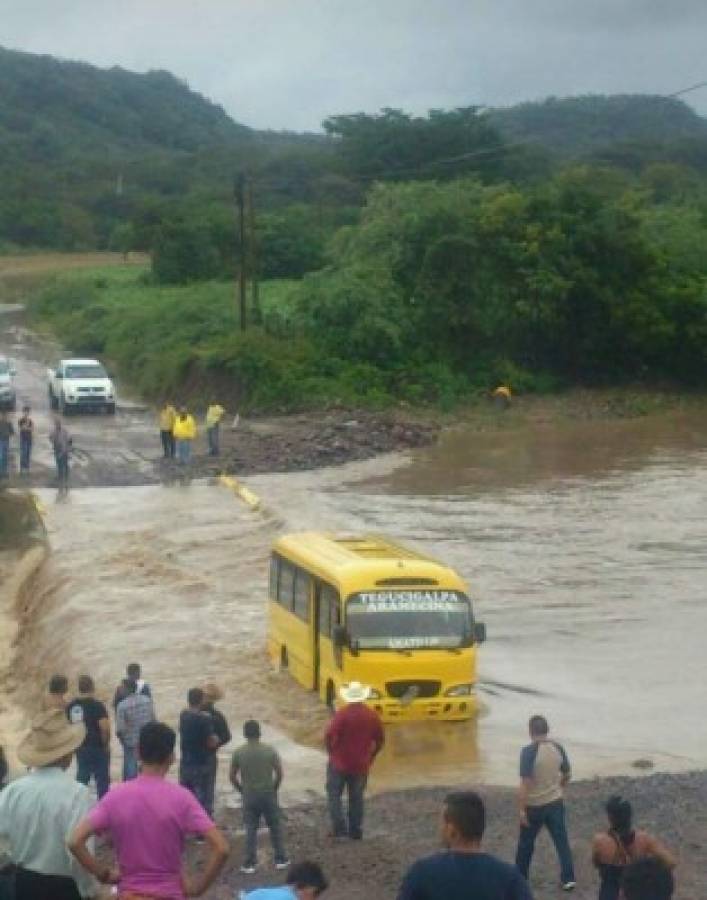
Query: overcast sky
x,y
290,63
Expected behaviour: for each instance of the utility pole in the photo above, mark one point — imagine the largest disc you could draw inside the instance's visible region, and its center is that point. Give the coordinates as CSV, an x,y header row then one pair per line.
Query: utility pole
x,y
253,258
239,193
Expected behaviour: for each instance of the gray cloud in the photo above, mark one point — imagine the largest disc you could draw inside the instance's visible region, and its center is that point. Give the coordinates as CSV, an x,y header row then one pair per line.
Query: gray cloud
x,y
290,63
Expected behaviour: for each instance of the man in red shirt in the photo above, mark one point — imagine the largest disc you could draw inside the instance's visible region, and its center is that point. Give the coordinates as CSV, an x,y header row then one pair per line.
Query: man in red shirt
x,y
353,739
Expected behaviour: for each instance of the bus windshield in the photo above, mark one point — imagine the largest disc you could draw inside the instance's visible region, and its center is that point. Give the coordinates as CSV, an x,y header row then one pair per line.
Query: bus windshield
x,y
408,619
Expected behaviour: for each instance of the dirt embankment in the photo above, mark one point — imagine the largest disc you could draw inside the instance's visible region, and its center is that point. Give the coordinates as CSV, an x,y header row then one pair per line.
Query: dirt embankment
x,y
402,826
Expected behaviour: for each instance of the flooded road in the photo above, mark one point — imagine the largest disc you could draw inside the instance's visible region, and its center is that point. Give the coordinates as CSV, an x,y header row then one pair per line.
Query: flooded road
x,y
585,545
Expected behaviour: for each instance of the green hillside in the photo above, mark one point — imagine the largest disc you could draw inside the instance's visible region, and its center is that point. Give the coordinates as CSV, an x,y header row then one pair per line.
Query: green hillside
x,y
52,109
578,127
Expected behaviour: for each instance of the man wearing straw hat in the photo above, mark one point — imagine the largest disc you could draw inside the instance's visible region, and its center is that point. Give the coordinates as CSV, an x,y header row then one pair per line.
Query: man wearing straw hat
x,y
39,810
354,738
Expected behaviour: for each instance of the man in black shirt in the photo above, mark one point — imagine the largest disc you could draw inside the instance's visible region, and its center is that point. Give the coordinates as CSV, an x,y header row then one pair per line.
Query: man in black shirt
x,y
93,756
197,742
212,694
464,870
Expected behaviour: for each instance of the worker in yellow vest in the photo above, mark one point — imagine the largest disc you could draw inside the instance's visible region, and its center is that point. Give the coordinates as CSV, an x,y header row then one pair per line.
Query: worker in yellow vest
x,y
501,397
166,419
184,432
214,414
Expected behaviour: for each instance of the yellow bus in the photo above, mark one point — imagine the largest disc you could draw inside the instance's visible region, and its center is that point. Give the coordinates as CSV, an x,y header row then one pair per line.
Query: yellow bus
x,y
345,609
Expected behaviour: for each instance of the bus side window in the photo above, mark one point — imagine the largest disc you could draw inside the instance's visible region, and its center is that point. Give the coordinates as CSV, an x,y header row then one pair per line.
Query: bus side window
x,y
330,610
324,614
274,574
286,585
303,585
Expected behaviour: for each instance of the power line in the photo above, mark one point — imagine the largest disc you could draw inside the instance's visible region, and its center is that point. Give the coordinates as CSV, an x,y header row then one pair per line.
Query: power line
x,y
489,151
687,90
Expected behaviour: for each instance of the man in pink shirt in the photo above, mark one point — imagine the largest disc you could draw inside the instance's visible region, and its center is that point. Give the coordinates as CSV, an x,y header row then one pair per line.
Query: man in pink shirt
x,y
148,820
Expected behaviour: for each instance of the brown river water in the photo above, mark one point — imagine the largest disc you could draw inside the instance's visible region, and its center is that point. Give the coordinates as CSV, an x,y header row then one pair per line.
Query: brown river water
x,y
585,546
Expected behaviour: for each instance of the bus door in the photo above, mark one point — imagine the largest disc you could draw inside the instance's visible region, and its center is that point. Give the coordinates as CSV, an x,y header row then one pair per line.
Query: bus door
x,y
327,616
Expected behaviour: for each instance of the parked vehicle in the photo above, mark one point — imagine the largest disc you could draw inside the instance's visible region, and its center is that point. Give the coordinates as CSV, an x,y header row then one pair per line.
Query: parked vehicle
x,y
8,395
80,384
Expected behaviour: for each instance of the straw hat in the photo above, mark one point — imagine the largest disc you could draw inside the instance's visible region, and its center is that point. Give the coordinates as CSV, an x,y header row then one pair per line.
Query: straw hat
x,y
354,692
51,737
212,692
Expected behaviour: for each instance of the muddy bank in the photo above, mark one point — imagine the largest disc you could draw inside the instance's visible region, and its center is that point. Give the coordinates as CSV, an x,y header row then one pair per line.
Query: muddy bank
x,y
402,826
308,441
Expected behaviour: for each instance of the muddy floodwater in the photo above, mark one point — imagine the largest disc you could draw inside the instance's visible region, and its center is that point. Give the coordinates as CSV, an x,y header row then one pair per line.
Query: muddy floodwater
x,y
584,542
585,546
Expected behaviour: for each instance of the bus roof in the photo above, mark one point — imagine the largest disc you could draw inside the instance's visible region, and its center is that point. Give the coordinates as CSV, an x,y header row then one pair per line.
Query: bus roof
x,y
375,560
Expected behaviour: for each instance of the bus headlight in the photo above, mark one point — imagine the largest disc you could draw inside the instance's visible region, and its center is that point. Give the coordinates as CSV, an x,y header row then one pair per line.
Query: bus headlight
x,y
459,690
373,694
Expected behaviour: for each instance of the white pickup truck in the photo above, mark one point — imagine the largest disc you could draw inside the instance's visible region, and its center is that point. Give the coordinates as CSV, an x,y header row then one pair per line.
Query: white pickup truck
x,y
80,384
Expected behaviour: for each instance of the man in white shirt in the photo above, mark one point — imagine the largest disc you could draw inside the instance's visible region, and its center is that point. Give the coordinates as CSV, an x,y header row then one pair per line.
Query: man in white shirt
x,y
39,810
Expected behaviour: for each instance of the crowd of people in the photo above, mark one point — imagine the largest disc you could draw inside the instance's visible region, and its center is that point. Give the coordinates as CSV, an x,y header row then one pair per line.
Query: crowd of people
x,y
51,821
178,431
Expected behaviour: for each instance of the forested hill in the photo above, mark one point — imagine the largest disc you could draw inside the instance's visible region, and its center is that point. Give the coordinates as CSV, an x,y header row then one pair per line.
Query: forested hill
x,y
95,158
50,108
578,127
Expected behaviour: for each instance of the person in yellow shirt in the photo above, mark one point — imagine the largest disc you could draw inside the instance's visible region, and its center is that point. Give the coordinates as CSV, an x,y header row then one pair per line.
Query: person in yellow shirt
x,y
184,431
166,419
214,414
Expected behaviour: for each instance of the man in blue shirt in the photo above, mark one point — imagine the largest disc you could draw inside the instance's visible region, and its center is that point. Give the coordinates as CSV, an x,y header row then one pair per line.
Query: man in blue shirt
x,y
305,881
464,870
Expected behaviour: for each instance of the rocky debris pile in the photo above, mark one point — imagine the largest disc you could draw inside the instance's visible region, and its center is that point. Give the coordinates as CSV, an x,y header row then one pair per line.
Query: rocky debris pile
x,y
297,443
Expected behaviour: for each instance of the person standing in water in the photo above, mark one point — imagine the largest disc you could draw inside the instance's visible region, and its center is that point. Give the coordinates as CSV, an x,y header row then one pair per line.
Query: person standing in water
x,y
61,444
25,426
7,430
615,849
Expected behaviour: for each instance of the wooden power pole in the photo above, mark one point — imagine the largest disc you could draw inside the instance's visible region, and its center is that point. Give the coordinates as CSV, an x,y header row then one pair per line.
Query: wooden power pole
x,y
239,193
253,256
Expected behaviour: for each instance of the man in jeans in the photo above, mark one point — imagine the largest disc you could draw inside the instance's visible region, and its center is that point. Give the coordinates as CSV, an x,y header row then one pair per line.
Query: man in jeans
x,y
149,820
256,773
544,772
93,756
133,712
25,426
354,738
198,740
212,694
7,430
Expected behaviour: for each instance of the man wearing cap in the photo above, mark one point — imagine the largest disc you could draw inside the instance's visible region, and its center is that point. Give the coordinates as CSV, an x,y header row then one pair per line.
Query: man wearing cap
x,y
39,810
353,739
212,694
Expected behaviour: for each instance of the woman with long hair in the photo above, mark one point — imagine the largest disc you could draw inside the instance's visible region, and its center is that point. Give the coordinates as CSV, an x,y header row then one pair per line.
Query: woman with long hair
x,y
621,844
